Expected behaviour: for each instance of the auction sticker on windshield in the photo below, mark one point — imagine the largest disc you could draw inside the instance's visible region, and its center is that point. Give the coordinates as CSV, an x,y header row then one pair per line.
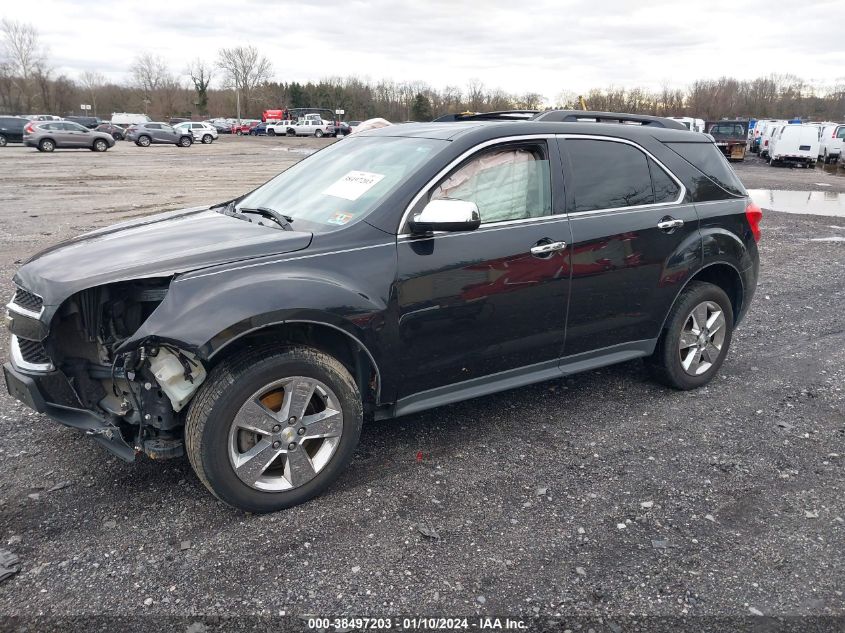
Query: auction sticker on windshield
x,y
353,185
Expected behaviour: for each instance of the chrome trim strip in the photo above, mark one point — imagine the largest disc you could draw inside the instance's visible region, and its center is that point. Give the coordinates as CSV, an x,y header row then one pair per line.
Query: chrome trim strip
x,y
528,137
14,307
20,363
288,259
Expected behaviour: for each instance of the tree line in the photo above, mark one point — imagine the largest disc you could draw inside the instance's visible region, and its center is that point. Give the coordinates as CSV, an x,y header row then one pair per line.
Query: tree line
x,y
239,82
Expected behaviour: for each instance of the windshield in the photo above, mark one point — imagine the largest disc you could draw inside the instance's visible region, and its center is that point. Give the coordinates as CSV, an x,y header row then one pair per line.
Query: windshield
x,y
344,182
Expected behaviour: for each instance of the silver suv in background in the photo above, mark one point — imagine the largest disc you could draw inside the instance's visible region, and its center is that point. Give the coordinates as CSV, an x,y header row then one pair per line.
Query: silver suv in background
x,y
49,135
202,132
157,133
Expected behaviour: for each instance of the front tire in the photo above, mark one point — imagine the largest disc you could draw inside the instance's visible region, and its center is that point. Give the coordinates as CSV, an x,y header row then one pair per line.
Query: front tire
x,y
185,141
3,140
100,145
273,427
319,133
695,339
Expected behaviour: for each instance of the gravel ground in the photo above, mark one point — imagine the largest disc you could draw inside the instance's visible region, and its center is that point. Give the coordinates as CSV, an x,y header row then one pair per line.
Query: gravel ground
x,y
600,494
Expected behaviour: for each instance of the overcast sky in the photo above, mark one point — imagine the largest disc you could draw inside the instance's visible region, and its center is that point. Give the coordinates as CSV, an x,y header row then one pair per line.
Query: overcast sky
x,y
538,46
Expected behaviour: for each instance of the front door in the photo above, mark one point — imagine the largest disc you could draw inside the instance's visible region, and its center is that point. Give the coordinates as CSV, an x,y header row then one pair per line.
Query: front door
x,y
634,244
476,303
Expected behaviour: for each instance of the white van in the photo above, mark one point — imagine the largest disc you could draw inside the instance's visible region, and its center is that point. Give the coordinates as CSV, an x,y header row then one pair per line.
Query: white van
x,y
766,137
695,125
758,132
796,144
124,119
831,141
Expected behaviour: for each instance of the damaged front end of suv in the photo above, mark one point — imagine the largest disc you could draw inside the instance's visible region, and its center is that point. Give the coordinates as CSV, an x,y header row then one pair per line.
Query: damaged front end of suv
x,y
76,351
80,372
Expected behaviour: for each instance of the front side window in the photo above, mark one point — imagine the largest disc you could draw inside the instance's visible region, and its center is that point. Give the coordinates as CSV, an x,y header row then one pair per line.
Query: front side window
x,y
343,182
840,132
608,175
505,184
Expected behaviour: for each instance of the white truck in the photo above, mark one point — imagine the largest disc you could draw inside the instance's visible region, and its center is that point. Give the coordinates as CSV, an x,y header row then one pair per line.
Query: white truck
x,y
310,125
831,142
279,128
795,143
694,125
125,119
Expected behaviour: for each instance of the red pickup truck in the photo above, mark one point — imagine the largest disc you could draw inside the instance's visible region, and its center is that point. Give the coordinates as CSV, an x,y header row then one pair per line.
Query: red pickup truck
x,y
244,128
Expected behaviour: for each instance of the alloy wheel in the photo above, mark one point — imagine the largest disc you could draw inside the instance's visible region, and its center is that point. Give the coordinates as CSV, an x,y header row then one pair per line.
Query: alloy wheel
x,y
285,434
702,338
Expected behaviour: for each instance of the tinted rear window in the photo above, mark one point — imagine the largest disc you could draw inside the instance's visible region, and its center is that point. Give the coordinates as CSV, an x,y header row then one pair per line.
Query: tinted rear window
x,y
608,175
12,122
707,159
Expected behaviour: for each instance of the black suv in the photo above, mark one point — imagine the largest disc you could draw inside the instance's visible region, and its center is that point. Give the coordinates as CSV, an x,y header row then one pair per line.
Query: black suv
x,y
399,270
11,129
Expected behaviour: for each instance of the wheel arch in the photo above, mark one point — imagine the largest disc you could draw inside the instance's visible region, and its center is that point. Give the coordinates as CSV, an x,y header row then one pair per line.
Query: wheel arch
x,y
335,341
721,274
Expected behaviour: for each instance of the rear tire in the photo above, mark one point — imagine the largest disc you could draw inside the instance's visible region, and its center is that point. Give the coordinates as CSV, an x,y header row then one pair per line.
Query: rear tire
x,y
271,132
3,140
215,441
207,139
144,141
46,145
679,339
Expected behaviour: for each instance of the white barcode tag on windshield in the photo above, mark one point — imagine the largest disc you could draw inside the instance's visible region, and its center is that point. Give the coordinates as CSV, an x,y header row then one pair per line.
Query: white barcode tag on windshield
x,y
353,185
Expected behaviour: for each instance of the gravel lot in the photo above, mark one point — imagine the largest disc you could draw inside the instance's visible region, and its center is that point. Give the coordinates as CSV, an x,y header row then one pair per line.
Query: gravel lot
x,y
600,494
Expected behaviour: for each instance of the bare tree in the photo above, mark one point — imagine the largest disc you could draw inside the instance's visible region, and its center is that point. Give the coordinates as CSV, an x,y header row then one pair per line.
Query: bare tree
x,y
92,81
149,72
24,56
201,73
245,69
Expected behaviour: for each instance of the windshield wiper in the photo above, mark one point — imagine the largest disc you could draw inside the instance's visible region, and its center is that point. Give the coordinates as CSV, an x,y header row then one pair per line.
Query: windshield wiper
x,y
281,219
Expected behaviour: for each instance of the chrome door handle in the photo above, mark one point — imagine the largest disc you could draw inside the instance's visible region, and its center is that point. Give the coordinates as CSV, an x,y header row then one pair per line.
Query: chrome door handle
x,y
670,223
549,247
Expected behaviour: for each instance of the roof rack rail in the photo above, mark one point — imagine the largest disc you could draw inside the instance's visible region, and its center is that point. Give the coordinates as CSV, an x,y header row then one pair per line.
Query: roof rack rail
x,y
499,115
608,117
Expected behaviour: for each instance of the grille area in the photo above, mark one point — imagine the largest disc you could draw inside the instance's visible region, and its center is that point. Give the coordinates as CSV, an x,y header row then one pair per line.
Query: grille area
x,y
33,352
28,300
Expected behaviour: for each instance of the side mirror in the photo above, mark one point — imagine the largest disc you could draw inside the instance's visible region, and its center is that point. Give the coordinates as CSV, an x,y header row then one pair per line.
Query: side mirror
x,y
446,214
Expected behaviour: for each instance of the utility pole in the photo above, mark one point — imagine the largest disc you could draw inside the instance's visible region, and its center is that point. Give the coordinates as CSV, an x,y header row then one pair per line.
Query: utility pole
x,y
238,94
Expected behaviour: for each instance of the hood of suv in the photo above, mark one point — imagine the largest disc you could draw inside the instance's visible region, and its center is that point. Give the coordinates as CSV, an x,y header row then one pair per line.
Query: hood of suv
x,y
154,246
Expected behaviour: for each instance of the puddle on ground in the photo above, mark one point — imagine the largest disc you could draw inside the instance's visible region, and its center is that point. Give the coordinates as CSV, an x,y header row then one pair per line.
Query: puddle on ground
x,y
835,169
828,203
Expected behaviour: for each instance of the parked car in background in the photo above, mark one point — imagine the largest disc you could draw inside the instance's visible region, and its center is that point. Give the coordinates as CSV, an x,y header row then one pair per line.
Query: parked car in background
x,y
11,129
309,127
338,129
43,117
731,137
831,142
766,137
202,132
90,122
125,119
221,125
796,144
759,133
176,120
157,133
692,124
279,128
118,133
258,130
352,125
244,127
49,135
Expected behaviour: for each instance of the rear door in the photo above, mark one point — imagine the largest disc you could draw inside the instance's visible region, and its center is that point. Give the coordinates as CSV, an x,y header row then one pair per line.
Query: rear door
x,y
634,242
477,303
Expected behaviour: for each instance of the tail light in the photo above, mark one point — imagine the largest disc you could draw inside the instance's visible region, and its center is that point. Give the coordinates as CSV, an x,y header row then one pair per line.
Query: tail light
x,y
754,214
29,129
